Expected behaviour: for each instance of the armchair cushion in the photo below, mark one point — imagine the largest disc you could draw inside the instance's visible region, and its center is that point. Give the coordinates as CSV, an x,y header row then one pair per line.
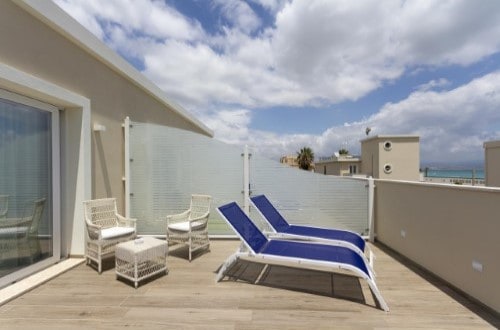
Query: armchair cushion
x,y
184,226
113,232
13,231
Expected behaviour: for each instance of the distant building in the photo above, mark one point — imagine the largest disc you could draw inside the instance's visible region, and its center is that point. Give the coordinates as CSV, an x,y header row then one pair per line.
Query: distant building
x,y
492,163
341,165
290,161
293,162
394,157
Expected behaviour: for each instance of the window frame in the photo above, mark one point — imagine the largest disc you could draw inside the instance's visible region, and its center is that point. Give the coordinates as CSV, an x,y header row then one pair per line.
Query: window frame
x,y
55,188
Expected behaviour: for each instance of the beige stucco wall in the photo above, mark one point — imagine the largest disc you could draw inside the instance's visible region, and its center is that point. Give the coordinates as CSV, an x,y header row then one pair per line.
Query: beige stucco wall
x,y
445,229
492,163
404,157
32,47
370,158
336,167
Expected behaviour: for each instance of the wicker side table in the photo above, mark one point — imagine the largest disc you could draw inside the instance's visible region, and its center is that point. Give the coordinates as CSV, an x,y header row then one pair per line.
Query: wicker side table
x,y
142,258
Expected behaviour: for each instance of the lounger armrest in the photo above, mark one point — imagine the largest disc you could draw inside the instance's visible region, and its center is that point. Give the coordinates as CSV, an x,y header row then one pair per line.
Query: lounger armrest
x,y
126,222
180,217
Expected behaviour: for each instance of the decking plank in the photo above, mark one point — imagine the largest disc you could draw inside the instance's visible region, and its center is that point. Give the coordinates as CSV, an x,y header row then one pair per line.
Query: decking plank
x,y
189,298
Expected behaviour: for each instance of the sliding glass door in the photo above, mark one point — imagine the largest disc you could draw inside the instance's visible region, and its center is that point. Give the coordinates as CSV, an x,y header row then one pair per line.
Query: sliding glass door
x,y
29,179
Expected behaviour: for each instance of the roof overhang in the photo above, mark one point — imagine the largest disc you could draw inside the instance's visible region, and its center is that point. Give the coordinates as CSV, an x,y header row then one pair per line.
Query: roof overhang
x,y
491,144
392,137
55,17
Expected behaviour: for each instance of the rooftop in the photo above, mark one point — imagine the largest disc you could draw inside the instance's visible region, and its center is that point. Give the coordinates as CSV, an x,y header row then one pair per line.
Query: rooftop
x,y
339,158
402,137
188,297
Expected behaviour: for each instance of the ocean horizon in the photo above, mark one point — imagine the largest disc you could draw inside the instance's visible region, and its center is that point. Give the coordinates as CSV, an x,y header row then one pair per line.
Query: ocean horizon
x,y
453,173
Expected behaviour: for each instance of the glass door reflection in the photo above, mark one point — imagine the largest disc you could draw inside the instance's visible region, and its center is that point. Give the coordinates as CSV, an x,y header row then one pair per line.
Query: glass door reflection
x,y
26,234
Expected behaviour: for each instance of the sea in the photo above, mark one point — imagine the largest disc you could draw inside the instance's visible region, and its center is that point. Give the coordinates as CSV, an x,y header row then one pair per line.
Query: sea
x,y
455,170
453,173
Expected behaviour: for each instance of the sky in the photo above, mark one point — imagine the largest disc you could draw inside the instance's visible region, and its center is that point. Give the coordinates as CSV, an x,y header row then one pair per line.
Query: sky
x,y
279,75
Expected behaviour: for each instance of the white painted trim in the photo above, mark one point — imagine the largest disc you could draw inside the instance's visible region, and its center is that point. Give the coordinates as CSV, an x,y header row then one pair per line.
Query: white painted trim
x,y
17,98
126,178
55,184
19,288
55,161
440,185
33,87
55,17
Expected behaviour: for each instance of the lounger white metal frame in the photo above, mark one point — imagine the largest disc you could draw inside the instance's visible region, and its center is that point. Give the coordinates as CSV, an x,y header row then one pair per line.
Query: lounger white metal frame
x,y
303,263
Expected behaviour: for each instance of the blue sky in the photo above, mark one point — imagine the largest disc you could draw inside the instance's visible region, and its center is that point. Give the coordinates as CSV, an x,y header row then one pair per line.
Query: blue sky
x,y
280,74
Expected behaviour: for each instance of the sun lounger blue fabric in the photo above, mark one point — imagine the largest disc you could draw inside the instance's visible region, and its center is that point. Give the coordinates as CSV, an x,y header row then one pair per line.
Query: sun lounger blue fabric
x,y
261,244
299,254
280,225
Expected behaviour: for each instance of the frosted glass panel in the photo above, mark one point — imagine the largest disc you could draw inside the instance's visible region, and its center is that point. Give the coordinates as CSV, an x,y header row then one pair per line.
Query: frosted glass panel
x,y
310,198
168,165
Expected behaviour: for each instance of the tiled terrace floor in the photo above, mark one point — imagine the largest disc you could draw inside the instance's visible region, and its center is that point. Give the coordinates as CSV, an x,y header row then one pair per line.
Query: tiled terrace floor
x,y
189,298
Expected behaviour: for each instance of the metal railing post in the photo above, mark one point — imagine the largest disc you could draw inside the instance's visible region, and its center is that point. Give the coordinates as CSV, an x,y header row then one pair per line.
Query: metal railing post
x,y
126,178
246,181
371,198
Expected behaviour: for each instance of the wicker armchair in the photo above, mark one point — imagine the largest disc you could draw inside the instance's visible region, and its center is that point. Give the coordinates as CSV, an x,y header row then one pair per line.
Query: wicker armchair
x,y
33,239
191,226
105,229
19,236
4,205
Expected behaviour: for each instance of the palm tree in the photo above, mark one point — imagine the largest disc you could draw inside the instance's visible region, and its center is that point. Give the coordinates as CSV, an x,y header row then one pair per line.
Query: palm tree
x,y
305,157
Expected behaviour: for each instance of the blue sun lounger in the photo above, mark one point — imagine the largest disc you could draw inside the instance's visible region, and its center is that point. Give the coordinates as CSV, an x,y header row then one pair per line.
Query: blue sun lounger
x,y
282,229
298,254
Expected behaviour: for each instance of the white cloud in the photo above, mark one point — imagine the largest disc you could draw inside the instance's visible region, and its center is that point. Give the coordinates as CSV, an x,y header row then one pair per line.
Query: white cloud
x,y
272,6
317,52
230,126
240,14
207,80
342,50
135,17
448,32
85,17
433,84
337,50
452,125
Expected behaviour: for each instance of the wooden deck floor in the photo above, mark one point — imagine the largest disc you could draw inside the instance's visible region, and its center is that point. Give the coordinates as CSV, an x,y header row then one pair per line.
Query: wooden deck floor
x,y
189,298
